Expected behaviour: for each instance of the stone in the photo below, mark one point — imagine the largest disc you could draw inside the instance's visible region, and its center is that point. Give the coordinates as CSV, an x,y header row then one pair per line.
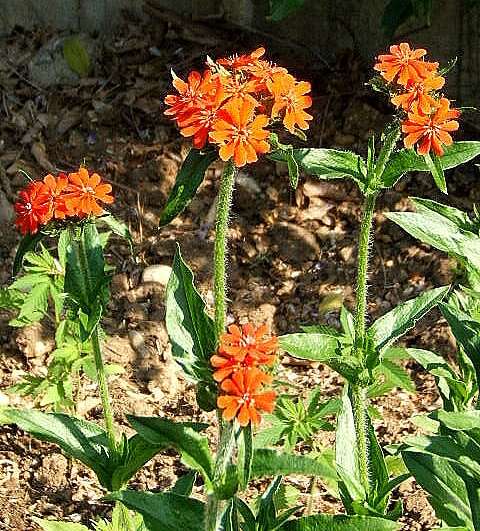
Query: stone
x,y
158,274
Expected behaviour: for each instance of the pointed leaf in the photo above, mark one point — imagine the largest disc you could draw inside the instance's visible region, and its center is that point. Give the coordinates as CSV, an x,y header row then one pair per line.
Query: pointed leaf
x,y
398,321
27,243
466,332
406,160
78,438
446,484
435,166
188,180
327,163
191,330
310,346
330,522
51,525
183,436
165,511
267,462
117,227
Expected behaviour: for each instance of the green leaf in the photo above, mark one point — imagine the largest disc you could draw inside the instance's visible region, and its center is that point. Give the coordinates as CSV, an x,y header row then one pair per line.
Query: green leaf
x,y
327,163
459,421
76,55
245,456
436,229
407,160
310,346
184,484
51,525
398,321
435,167
454,215
188,180
183,436
165,511
330,522
447,485
78,438
191,330
280,9
27,243
137,452
35,305
268,462
293,170
346,454
466,332
117,227
85,269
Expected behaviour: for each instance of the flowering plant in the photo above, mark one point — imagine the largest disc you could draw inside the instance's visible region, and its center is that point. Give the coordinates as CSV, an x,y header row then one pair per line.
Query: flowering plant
x,y
226,110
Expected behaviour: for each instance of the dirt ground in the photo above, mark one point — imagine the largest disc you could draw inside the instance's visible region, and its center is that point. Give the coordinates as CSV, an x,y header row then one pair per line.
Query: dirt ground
x,y
289,250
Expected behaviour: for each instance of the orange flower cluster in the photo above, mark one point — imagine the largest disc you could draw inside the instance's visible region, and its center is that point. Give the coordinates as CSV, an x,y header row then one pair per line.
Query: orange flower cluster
x,y
234,100
78,194
242,350
429,119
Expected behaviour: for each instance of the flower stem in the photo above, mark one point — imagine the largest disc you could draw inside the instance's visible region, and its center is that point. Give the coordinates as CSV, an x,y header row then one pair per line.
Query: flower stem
x,y
358,390
226,438
224,201
368,211
104,394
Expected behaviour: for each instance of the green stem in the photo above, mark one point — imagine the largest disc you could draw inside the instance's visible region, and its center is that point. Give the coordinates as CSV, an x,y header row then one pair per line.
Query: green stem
x,y
226,439
359,404
226,446
224,201
104,394
358,391
362,270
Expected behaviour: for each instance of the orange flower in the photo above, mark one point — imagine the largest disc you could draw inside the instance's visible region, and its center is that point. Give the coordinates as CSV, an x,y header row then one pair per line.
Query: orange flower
x,y
238,133
431,131
198,123
262,72
56,188
84,192
290,96
419,93
238,61
32,208
405,65
242,398
191,94
236,86
249,341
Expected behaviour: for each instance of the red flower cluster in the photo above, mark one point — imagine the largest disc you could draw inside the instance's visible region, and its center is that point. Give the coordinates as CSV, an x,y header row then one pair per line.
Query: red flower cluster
x,y
232,103
240,353
77,194
429,119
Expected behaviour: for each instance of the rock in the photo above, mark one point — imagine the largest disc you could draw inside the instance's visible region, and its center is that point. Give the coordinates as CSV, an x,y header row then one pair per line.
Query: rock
x,y
158,274
6,210
53,470
32,342
295,244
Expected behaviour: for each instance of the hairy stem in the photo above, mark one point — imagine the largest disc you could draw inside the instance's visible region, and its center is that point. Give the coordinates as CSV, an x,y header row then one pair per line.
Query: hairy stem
x,y
104,394
226,439
224,201
358,392
362,270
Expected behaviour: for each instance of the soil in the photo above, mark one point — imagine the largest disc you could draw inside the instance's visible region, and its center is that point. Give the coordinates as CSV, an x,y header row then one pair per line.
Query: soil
x,y
292,253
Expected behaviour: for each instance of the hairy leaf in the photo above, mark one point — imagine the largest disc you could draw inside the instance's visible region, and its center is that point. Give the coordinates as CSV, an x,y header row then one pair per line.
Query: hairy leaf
x,y
330,522
190,328
398,321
